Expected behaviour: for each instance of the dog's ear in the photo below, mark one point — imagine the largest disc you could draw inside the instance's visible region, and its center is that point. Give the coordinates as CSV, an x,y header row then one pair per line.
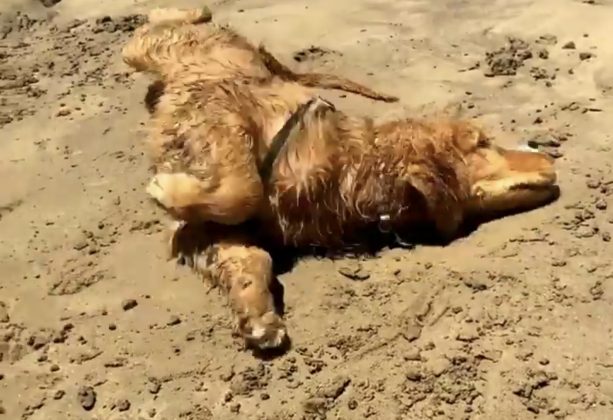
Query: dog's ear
x,y
443,203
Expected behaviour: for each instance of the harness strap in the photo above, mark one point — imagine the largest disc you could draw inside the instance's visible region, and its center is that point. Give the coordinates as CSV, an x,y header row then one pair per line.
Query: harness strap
x,y
280,139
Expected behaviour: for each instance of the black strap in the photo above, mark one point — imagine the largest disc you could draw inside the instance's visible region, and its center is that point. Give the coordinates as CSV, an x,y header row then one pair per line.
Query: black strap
x,y
280,139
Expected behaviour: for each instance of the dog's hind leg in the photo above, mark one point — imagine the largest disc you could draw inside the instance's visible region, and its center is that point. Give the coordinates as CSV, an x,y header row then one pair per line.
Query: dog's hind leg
x,y
244,274
229,199
210,175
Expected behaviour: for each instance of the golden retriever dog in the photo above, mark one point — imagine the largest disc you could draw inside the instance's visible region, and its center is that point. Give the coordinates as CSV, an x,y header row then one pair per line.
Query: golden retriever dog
x,y
337,177
252,162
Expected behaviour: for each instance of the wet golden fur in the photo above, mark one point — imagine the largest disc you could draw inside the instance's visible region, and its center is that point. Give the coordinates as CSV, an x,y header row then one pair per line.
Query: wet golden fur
x,y
335,176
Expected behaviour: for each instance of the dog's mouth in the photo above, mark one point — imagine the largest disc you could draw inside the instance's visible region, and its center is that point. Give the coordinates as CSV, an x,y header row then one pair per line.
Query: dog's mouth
x,y
515,193
531,195
543,181
533,187
529,176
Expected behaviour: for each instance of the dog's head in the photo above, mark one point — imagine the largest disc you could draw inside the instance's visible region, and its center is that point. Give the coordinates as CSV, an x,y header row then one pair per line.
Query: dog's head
x,y
504,180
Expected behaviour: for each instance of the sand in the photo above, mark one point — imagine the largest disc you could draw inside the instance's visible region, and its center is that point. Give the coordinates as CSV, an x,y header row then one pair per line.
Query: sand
x,y
511,322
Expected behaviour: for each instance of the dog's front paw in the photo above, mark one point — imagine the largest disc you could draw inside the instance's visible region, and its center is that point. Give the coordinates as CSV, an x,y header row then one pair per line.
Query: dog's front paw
x,y
266,332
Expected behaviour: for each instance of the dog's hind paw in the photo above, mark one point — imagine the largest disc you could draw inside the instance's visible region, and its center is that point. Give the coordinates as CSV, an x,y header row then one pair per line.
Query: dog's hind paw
x,y
158,189
171,14
175,190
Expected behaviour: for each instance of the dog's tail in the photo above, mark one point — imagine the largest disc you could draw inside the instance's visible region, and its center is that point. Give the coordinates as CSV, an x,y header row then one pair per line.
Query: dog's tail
x,y
320,80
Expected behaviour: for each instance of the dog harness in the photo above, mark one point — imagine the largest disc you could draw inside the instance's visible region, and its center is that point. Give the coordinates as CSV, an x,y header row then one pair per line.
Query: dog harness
x,y
280,139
